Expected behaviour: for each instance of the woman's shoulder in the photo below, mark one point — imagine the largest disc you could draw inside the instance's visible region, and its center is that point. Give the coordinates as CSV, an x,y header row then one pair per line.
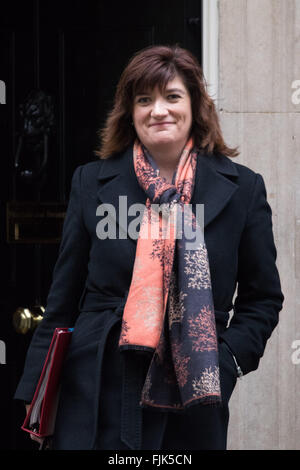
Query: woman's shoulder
x,y
88,174
222,162
85,176
244,176
247,178
90,170
244,171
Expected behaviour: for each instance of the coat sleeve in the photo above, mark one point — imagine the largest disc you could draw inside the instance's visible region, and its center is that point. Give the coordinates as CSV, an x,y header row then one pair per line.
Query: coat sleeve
x,y
259,297
68,281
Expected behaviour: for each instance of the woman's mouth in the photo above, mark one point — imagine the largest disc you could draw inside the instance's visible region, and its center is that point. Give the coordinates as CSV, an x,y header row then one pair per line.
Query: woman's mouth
x,y
161,123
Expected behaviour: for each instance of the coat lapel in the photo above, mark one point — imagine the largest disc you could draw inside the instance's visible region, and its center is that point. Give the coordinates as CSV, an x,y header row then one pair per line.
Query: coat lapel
x,y
213,188
117,178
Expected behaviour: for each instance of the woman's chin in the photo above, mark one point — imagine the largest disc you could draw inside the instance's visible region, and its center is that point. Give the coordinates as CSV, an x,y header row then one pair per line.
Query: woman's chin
x,y
163,141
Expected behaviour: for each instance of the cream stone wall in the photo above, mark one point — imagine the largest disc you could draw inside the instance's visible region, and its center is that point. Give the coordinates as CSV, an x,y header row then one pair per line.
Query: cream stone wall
x,y
259,64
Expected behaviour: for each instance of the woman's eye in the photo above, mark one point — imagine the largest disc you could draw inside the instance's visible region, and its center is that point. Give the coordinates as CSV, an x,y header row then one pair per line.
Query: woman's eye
x,y
143,100
173,97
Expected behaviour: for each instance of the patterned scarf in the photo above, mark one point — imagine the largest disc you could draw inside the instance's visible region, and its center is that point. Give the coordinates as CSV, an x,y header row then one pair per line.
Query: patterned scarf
x,y
169,309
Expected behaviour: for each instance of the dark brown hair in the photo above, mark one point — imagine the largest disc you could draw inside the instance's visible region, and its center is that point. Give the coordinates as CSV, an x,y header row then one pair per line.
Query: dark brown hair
x,y
156,66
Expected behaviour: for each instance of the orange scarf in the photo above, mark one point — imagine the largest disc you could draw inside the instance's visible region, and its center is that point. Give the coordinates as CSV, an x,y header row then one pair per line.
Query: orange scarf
x,y
169,309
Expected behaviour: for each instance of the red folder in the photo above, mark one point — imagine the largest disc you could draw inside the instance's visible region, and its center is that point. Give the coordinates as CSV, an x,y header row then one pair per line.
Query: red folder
x,y
40,419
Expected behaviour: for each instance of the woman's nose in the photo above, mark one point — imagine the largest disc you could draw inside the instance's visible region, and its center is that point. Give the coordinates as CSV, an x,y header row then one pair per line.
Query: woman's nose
x,y
159,108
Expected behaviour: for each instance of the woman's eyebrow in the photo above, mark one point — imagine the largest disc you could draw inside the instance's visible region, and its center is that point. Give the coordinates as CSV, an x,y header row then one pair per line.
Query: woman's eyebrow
x,y
177,90
168,90
140,93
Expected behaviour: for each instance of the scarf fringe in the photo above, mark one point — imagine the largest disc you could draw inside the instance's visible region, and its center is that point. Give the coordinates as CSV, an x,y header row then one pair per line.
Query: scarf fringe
x,y
213,401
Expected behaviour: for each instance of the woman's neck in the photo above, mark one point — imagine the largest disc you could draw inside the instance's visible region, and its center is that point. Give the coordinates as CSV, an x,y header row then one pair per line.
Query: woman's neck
x,y
166,161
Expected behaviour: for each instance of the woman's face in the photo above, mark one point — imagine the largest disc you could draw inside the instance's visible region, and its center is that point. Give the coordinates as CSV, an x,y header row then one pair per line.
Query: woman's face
x,y
163,120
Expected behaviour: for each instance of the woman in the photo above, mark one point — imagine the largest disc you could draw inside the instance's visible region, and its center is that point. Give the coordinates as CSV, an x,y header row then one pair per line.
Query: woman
x,y
152,362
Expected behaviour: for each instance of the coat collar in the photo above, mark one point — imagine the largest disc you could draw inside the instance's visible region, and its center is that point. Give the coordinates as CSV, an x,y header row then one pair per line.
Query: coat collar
x,y
213,188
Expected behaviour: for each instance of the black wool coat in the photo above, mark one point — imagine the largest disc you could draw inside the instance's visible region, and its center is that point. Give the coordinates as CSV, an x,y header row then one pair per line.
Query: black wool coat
x,y
88,291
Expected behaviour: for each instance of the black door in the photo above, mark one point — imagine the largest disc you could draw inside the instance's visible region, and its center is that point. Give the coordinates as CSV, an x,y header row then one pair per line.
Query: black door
x,y
59,65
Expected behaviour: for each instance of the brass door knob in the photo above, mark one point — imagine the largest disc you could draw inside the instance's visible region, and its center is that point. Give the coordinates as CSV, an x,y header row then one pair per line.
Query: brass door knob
x,y
25,319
